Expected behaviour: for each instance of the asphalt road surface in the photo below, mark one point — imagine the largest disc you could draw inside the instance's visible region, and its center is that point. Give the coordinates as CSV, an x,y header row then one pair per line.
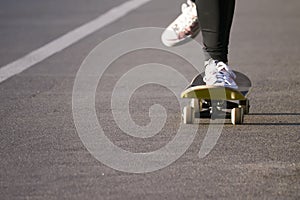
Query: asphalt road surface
x,y
43,157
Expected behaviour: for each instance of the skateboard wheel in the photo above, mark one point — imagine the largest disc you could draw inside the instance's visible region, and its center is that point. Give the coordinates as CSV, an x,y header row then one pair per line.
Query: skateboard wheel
x,y
188,115
246,106
196,104
237,115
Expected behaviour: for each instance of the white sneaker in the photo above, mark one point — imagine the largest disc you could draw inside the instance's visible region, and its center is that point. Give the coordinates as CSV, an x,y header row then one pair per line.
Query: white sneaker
x,y
184,27
219,74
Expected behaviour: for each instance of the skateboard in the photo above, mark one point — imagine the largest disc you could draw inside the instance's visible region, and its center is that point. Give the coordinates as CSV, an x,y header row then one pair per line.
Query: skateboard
x,y
215,101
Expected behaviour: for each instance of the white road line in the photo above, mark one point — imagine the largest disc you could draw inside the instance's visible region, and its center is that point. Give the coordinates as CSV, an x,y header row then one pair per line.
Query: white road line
x,y
68,39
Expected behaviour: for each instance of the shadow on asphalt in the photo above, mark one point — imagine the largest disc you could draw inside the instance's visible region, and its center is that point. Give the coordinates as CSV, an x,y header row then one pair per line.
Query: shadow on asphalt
x,y
273,114
274,123
256,124
260,123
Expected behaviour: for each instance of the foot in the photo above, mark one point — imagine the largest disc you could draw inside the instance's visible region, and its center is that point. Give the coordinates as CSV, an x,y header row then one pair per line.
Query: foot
x,y
184,27
219,74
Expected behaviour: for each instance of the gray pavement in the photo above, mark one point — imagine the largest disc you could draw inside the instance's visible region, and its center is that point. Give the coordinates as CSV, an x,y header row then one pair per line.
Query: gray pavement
x,y
42,156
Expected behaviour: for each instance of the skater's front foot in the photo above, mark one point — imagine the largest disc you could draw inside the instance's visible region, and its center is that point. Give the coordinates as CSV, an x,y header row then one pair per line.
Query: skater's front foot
x,y
219,74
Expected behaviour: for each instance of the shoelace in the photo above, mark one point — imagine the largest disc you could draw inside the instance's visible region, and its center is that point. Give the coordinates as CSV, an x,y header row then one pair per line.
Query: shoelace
x,y
228,72
220,77
221,74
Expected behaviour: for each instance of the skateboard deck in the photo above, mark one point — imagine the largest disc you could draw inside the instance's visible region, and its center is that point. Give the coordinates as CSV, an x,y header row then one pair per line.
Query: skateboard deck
x,y
243,82
212,93
211,101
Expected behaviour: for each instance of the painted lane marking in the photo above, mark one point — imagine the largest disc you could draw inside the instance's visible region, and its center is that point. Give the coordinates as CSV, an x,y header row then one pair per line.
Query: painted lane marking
x,y
68,39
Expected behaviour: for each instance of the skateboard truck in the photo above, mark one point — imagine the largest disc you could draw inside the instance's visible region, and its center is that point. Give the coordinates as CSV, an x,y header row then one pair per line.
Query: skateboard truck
x,y
215,109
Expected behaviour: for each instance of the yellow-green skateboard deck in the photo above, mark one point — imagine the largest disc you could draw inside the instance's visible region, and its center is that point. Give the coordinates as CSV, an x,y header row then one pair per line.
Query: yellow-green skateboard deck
x,y
202,91
212,93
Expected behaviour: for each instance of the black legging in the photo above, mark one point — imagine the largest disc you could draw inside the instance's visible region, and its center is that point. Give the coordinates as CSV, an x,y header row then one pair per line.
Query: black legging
x,y
215,17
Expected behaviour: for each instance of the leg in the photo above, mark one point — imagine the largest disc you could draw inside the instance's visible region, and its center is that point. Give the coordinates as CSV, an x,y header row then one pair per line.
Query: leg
x,y
227,12
215,17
